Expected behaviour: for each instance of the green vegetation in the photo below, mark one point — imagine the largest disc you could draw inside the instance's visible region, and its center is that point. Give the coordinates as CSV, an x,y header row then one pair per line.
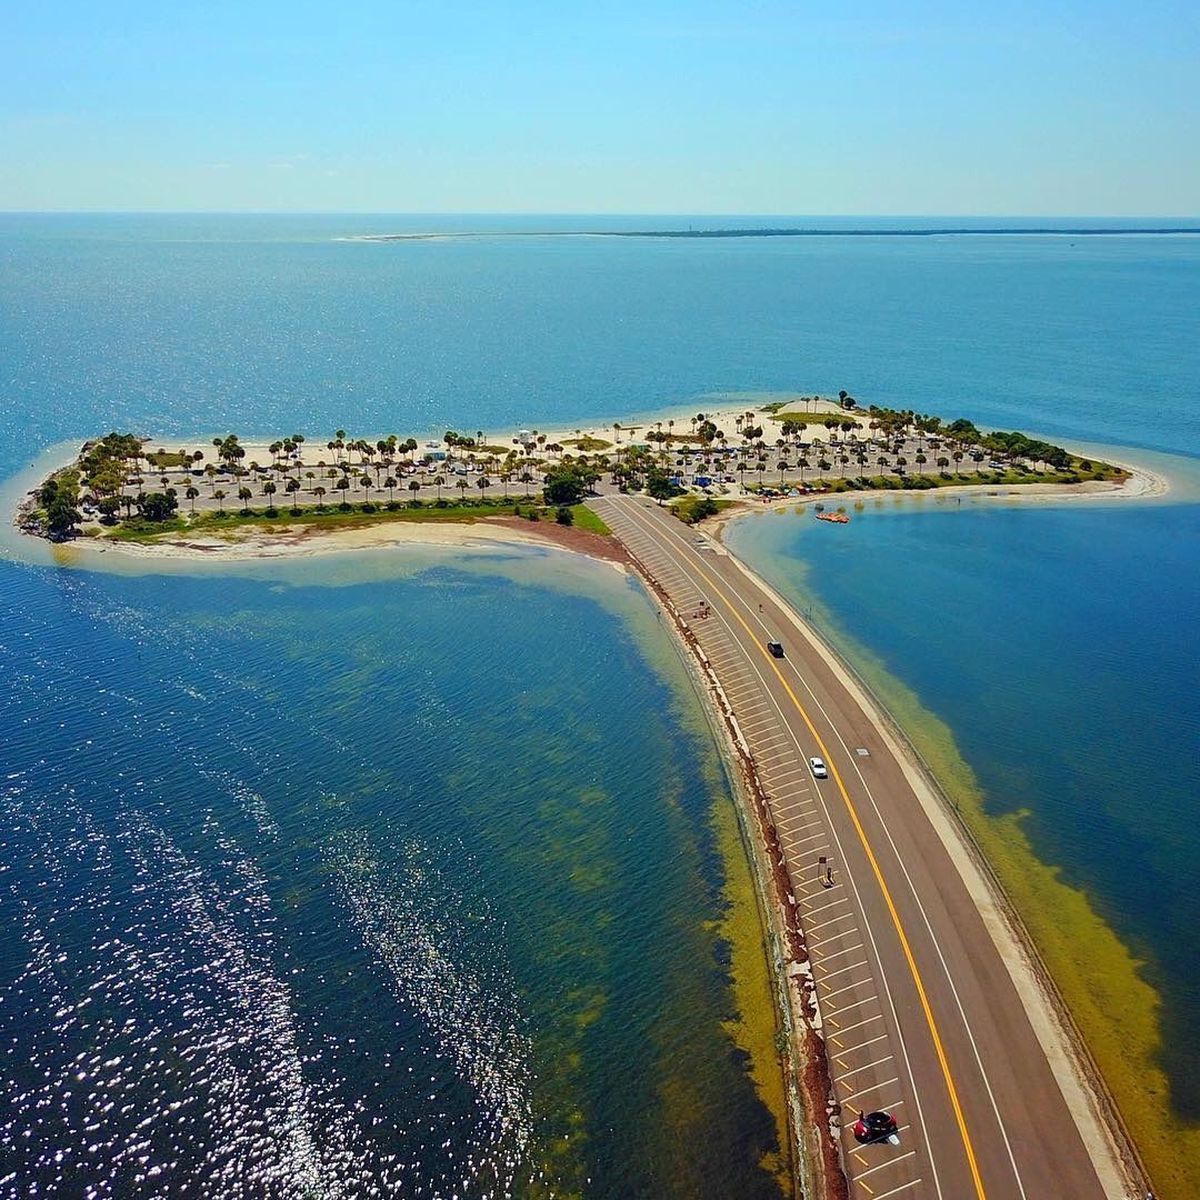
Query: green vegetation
x,y
159,506
588,445
755,1027
660,486
1080,471
794,422
585,518
693,509
350,517
59,498
567,484
169,458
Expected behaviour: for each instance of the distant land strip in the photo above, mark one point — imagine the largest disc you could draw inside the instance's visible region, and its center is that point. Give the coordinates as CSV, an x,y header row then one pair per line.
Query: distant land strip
x,y
1009,231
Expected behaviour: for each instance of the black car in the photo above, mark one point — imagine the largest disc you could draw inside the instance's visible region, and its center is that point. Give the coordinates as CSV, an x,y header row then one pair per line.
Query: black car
x,y
776,649
875,1127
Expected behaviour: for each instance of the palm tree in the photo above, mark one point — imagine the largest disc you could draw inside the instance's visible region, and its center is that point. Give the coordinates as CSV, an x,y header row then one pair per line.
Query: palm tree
x,y
943,462
268,491
526,479
439,482
191,494
783,465
343,486
244,494
462,488
292,487
414,487
319,492
920,460
483,483
958,457
390,484
218,495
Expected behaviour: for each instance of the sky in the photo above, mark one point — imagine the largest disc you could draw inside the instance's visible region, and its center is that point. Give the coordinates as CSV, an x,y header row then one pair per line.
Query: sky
x,y
610,106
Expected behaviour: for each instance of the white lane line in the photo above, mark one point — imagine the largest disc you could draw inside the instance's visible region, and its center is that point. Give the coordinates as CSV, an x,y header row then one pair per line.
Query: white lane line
x,y
860,1070
785,799
859,1025
863,1045
889,1162
903,1187
812,837
842,970
811,929
786,821
864,1091
838,953
807,825
845,1008
848,987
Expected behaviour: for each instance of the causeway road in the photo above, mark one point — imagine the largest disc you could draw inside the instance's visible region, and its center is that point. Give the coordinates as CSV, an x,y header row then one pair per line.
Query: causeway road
x,y
928,1010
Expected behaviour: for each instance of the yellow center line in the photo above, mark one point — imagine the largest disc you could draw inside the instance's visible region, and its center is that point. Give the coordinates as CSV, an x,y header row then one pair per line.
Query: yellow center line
x,y
878,873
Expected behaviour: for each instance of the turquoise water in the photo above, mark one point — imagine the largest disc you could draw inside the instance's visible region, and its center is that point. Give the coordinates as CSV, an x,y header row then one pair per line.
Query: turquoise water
x,y
1058,644
377,882
190,325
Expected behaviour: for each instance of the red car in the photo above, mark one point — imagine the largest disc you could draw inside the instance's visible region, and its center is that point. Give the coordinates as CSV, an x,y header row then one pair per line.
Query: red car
x,y
875,1127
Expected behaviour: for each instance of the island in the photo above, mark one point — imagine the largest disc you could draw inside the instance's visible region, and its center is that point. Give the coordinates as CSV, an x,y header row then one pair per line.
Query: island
x,y
126,488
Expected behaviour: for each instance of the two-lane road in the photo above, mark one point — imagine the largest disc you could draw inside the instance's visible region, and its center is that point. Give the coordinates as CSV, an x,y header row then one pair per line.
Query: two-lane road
x,y
921,1014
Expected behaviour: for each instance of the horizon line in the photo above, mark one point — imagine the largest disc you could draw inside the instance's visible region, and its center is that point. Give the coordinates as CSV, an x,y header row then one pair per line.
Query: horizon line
x,y
366,212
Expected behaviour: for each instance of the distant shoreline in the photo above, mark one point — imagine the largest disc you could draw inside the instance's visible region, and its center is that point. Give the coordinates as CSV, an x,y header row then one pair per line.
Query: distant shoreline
x,y
785,232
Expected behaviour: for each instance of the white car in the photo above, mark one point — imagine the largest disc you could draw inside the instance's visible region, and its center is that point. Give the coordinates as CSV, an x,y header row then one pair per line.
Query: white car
x,y
818,768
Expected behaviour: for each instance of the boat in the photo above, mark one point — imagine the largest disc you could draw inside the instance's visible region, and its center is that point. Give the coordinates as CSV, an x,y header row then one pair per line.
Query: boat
x,y
837,518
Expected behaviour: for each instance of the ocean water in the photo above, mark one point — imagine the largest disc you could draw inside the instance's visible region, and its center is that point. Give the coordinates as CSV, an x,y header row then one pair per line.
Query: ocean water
x,y
1057,643
370,888
190,325
403,887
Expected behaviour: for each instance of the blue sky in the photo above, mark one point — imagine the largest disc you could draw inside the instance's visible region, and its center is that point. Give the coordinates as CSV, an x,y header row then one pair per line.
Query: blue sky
x,y
618,106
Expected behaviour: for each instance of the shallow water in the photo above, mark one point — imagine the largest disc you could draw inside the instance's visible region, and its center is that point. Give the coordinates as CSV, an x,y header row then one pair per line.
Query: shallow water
x,y
1056,643
399,887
